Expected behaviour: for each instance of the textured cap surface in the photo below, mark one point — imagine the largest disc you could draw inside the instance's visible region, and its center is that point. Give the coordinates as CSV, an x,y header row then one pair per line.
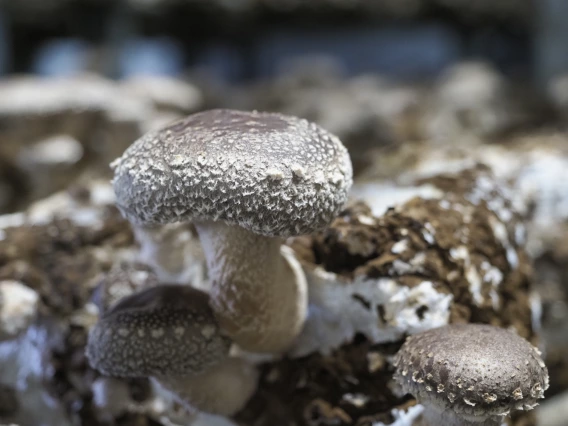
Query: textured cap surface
x,y
164,330
269,173
474,370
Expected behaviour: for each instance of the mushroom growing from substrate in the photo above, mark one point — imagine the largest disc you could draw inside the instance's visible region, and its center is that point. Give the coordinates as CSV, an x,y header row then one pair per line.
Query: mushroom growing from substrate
x,y
169,333
470,374
246,180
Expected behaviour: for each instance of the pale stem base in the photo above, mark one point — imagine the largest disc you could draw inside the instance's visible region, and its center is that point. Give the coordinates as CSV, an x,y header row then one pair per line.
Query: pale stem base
x,y
223,389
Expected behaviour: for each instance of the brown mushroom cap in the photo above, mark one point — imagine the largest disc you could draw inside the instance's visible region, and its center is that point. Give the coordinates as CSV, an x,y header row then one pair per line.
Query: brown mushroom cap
x,y
475,370
272,174
165,330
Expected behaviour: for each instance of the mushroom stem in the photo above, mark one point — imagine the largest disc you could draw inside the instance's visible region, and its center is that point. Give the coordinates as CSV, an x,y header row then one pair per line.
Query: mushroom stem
x,y
433,417
223,389
259,291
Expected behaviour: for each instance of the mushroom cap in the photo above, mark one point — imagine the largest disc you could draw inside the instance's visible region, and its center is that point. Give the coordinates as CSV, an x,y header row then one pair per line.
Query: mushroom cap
x,y
165,330
272,174
475,370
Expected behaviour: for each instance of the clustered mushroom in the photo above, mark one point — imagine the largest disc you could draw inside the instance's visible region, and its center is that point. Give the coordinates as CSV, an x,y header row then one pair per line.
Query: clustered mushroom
x,y
470,374
246,180
169,333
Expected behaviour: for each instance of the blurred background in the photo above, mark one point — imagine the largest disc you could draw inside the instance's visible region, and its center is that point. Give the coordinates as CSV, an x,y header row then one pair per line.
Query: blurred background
x,y
81,79
244,40
406,84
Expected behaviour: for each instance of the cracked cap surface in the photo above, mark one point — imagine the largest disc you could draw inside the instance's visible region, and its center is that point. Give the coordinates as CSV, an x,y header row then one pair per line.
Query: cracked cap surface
x,y
165,330
475,370
272,174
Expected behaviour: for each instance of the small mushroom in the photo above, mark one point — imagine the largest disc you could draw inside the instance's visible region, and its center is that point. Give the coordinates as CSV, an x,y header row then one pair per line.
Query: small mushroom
x,y
246,180
166,330
470,374
169,333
